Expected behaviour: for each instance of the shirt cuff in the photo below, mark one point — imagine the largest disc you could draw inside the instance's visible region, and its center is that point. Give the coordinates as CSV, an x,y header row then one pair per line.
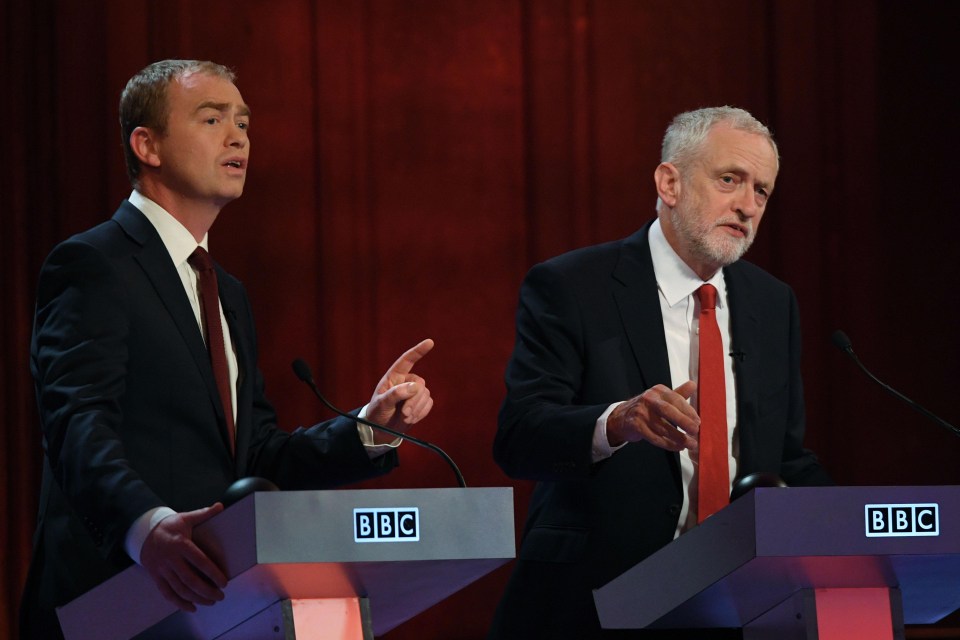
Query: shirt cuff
x,y
141,528
366,437
601,445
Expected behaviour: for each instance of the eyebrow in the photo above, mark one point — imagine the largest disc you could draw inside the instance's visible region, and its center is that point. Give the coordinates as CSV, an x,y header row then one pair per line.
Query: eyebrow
x,y
223,107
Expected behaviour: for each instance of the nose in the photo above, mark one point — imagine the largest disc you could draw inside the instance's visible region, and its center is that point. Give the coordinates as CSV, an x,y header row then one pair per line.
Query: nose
x,y
746,203
237,138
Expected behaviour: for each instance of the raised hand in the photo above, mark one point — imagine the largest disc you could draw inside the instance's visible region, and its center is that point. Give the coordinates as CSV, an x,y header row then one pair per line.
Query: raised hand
x,y
660,415
402,398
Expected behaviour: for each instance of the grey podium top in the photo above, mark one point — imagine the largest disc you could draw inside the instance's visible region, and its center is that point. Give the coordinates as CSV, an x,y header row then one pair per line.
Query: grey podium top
x,y
402,549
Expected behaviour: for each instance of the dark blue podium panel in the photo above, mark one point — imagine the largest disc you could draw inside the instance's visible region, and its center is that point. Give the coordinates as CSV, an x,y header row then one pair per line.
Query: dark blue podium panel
x,y
774,542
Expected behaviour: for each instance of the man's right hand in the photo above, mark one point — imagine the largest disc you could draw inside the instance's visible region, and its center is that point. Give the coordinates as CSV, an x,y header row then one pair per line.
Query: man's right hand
x,y
659,415
183,573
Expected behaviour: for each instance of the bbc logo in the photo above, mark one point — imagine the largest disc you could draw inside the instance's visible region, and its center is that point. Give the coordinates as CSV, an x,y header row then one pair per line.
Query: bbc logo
x,y
894,520
386,525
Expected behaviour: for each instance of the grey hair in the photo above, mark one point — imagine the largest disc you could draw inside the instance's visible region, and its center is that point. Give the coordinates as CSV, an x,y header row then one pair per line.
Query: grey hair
x,y
143,102
687,133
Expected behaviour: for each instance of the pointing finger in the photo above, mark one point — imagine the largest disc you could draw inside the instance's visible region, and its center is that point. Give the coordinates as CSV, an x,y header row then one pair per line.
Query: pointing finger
x,y
405,362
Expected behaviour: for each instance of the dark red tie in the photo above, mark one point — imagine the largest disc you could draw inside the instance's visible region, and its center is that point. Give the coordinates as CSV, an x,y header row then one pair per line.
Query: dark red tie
x,y
714,477
213,332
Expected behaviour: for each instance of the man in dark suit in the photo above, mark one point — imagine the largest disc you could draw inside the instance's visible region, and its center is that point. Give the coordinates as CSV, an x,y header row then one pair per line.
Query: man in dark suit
x,y
140,441
601,406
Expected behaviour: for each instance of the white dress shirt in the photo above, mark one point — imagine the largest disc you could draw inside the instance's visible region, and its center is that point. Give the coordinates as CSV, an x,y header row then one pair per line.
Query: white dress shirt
x,y
677,285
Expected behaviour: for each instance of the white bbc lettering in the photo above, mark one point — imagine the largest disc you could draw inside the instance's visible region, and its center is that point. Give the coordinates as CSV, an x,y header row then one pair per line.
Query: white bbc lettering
x,y
365,528
387,524
902,520
407,527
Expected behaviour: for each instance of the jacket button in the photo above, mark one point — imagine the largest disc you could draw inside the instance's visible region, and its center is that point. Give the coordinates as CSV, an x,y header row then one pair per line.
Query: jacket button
x,y
674,510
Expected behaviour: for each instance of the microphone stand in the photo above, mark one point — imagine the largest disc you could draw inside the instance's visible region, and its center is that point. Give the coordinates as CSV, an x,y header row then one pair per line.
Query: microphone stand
x,y
302,372
843,343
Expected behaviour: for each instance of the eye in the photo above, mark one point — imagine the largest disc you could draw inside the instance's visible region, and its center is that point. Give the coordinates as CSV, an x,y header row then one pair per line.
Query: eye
x,y
212,120
729,180
243,125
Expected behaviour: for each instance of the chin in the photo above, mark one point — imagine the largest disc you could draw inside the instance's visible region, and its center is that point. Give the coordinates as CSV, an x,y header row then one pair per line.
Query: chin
x,y
725,253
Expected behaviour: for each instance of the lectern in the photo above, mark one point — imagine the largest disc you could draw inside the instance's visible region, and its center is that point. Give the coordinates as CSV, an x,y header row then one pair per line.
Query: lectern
x,y
830,563
312,564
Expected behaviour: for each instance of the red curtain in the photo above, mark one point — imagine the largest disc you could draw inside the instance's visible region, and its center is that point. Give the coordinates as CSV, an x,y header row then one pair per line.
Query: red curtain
x,y
411,159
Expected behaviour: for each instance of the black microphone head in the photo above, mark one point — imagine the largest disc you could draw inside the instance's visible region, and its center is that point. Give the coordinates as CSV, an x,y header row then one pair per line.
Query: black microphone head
x,y
842,342
747,483
244,487
302,371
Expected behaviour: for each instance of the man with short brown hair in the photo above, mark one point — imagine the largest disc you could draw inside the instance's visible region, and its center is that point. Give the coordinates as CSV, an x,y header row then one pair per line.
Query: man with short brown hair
x,y
144,357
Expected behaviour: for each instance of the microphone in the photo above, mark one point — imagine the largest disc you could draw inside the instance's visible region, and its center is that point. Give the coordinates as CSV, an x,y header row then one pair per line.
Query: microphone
x,y
750,482
302,371
244,487
843,343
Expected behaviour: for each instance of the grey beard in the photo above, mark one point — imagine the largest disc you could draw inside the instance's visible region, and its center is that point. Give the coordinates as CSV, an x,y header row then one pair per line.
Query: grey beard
x,y
720,251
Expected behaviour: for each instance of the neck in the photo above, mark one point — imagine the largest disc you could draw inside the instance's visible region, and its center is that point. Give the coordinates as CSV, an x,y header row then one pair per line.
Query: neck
x,y
197,216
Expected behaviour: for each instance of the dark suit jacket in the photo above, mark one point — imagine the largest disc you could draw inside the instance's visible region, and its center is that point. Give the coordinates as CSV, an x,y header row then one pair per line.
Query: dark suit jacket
x,y
590,333
131,416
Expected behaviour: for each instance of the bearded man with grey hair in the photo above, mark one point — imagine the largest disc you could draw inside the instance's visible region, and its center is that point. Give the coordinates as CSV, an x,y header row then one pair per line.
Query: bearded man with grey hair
x,y
602,406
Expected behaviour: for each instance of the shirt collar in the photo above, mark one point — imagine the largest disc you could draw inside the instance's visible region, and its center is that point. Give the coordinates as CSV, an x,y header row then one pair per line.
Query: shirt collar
x,y
675,279
179,242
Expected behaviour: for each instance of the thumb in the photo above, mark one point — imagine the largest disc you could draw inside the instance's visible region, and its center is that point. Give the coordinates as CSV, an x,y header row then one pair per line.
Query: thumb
x,y
193,518
400,392
687,389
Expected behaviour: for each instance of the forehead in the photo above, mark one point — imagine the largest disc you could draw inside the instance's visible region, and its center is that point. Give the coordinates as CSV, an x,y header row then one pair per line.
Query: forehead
x,y
192,90
727,148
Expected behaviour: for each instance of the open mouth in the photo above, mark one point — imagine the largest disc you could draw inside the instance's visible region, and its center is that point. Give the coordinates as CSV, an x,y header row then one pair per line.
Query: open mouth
x,y
738,229
236,164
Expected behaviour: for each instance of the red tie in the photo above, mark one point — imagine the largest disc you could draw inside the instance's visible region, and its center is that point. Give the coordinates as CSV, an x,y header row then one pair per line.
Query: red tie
x,y
714,477
213,332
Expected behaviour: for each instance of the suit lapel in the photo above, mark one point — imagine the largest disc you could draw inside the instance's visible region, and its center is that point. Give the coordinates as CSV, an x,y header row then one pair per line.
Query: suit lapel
x,y
746,366
155,261
638,301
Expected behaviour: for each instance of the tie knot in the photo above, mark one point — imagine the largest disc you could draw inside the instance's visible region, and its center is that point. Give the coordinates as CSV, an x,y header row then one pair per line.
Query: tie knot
x,y
200,260
707,295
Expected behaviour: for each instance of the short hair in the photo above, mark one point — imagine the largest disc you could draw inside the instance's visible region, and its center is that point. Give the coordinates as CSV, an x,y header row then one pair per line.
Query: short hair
x,y
143,102
687,133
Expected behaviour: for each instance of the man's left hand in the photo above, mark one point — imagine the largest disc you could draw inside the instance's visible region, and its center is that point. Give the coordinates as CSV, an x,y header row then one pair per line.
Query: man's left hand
x,y
402,398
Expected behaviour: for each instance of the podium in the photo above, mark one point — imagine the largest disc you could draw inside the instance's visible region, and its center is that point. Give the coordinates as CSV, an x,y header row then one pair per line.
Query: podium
x,y
797,563
310,564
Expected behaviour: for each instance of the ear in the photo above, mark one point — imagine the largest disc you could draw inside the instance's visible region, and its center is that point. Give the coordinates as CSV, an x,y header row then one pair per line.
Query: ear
x,y
667,178
144,142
